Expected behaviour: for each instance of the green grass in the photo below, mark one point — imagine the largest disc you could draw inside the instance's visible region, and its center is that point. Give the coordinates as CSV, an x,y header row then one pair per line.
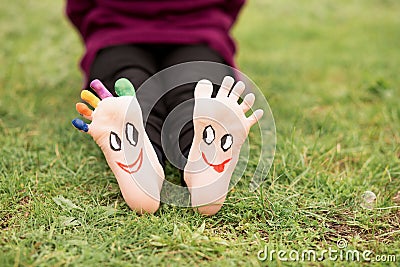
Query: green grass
x,y
330,71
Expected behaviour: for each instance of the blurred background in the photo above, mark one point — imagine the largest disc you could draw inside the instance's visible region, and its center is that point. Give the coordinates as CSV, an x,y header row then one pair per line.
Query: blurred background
x,y
330,72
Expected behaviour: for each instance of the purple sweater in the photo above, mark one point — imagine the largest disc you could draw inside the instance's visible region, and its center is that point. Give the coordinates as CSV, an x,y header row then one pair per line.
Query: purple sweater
x,y
104,23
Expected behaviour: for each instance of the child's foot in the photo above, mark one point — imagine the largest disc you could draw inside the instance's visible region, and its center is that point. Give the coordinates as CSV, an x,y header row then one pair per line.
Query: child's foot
x,y
117,128
220,129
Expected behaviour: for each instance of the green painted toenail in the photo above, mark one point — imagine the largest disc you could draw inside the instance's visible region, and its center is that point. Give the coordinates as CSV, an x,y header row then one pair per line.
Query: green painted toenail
x,y
123,87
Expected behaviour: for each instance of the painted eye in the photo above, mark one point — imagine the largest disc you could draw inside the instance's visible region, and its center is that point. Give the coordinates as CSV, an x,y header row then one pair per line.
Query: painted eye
x,y
226,142
208,135
131,134
115,142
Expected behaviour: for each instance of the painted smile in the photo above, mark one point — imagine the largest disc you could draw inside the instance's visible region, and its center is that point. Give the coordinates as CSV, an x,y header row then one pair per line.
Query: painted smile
x,y
218,168
130,168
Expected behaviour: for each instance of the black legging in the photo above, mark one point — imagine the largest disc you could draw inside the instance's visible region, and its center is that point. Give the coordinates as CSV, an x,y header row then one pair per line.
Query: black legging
x,y
139,62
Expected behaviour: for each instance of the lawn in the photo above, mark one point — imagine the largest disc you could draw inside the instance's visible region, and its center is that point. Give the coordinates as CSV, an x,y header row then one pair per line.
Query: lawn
x,y
330,71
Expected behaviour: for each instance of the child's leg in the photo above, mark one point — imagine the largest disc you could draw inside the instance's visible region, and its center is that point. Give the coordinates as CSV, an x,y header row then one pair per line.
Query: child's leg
x,y
181,98
114,62
218,131
118,125
136,63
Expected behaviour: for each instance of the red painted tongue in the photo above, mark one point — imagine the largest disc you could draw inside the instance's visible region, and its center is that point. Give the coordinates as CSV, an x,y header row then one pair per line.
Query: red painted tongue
x,y
219,168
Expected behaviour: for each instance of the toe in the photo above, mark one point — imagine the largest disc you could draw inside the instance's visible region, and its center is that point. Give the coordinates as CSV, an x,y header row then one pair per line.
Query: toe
x,y
248,102
204,89
226,86
255,117
90,98
123,87
84,110
100,89
237,91
80,125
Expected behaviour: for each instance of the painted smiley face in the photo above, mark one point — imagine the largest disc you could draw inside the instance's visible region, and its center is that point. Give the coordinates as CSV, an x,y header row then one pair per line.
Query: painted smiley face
x,y
225,142
132,135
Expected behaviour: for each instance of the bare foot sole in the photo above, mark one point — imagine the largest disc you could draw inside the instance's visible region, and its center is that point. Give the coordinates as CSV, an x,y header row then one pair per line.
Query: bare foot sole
x,y
117,128
220,129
